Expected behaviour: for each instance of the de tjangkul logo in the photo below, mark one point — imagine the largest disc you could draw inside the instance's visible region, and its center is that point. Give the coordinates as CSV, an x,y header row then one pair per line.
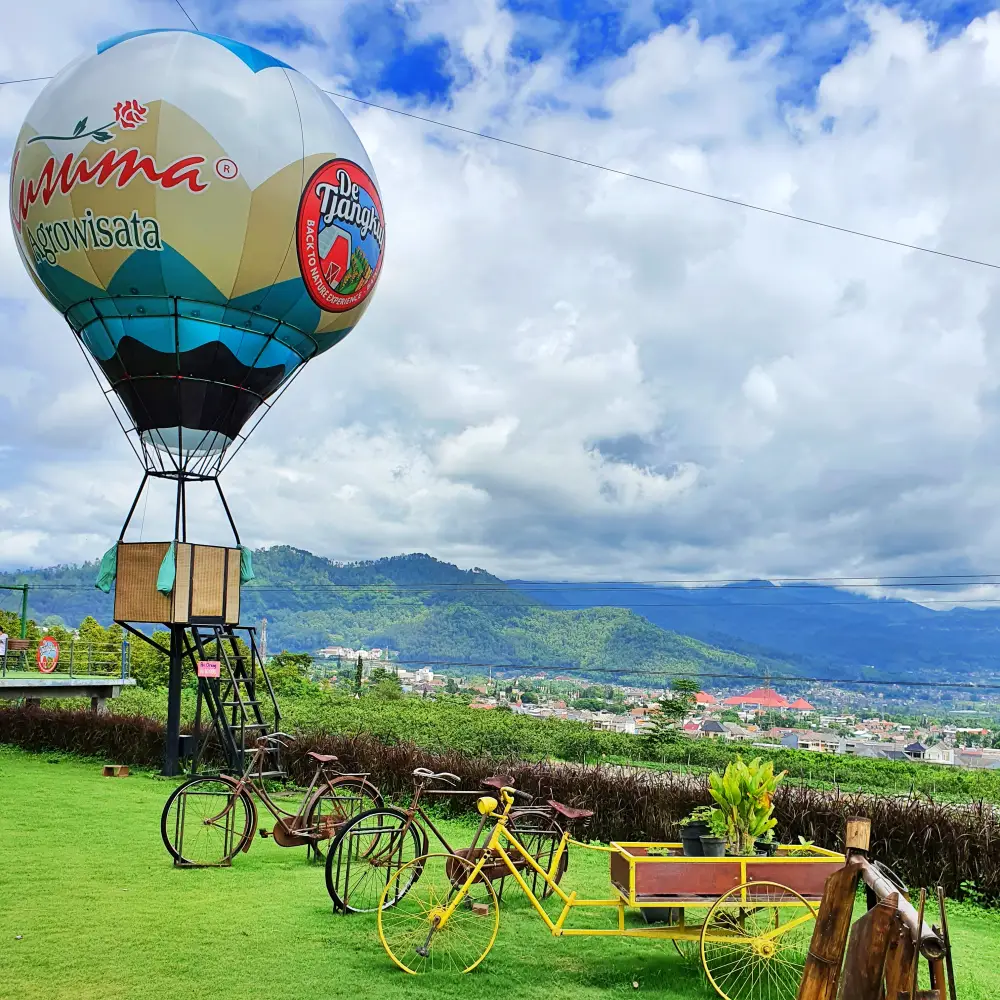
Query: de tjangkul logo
x,y
340,235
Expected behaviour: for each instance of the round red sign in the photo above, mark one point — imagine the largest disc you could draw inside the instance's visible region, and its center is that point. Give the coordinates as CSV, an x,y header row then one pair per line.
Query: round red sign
x,y
47,655
340,235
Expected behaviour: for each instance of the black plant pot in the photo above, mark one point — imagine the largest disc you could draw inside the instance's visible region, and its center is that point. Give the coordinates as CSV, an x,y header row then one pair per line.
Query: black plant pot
x,y
766,848
713,847
691,835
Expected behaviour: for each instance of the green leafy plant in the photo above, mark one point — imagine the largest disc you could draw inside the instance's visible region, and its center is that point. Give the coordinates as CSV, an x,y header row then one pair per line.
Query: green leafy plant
x,y
802,849
743,794
700,814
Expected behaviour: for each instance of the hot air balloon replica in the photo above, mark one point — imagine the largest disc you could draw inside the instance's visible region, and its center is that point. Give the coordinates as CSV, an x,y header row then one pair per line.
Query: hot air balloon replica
x,y
207,221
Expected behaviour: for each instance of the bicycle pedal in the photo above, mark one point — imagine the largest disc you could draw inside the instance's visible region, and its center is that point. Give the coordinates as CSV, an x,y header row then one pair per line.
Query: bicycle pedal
x,y
264,834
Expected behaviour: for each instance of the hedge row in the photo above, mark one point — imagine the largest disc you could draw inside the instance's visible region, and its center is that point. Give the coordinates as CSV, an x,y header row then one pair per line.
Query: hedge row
x,y
926,842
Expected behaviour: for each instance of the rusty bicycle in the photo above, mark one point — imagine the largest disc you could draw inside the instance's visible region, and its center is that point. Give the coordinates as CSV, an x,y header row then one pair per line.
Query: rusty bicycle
x,y
370,848
208,820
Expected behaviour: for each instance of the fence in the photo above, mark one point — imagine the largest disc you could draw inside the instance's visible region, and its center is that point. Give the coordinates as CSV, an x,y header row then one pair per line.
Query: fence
x,y
76,658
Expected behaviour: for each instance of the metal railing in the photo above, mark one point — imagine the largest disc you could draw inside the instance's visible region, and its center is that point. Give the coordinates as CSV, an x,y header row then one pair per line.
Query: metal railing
x,y
76,658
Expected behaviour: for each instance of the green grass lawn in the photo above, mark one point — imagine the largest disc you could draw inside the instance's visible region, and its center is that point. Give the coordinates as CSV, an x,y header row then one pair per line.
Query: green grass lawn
x,y
90,907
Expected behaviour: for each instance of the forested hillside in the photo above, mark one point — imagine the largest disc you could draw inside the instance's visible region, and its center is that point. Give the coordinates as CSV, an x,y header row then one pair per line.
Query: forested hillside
x,y
424,609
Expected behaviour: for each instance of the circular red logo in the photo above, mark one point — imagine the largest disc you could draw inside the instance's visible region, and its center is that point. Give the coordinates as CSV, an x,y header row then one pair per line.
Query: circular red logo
x,y
47,654
340,235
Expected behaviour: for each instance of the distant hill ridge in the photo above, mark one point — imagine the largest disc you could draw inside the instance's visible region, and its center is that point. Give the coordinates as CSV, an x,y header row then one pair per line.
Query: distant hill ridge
x,y
432,610
422,607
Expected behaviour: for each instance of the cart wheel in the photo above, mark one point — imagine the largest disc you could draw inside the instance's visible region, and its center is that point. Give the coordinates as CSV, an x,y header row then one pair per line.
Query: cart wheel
x,y
204,823
334,805
754,942
367,851
408,920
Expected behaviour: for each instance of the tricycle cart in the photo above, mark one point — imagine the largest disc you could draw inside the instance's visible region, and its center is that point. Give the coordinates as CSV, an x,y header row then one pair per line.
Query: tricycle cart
x,y
753,916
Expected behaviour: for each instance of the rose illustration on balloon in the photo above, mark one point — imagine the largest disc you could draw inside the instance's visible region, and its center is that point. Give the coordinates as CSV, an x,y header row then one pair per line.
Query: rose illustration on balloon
x,y
130,114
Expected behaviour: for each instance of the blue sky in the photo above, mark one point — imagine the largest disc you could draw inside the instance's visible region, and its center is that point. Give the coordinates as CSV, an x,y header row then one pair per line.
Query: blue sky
x,y
390,53
565,373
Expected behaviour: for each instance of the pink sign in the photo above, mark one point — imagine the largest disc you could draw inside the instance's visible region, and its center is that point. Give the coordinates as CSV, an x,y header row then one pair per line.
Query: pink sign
x,y
209,668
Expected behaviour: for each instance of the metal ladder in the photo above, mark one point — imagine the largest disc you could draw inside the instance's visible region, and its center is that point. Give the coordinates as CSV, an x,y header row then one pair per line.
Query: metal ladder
x,y
241,703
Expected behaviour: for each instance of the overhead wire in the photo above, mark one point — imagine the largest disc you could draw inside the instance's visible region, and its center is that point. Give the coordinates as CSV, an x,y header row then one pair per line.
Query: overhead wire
x,y
694,675
631,175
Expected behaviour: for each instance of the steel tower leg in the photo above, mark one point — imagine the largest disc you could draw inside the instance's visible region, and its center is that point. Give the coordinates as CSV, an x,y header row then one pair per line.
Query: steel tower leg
x,y
171,764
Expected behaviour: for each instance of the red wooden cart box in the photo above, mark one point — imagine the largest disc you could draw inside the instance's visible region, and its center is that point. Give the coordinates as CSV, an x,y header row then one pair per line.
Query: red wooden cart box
x,y
648,874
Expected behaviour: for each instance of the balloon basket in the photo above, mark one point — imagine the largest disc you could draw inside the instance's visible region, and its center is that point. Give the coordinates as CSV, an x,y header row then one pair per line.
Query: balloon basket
x,y
203,589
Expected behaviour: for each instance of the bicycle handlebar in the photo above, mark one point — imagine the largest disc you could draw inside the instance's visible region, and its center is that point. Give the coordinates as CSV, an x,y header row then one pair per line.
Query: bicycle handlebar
x,y
522,796
428,775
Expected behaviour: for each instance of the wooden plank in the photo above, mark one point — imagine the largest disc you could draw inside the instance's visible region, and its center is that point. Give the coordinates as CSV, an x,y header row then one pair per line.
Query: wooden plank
x,y
866,952
136,596
858,835
806,877
686,878
207,582
833,923
898,959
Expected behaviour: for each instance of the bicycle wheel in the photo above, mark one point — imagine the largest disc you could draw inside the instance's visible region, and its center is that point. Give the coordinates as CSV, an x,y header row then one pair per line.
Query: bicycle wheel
x,y
366,853
539,834
755,940
205,823
334,805
409,921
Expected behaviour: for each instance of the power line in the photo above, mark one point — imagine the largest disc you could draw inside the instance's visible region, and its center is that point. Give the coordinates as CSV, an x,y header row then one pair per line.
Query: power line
x,y
724,199
710,675
667,184
26,79
186,14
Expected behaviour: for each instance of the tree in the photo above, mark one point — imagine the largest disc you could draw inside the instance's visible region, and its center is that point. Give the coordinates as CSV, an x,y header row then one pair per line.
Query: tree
x,y
529,698
384,684
358,673
149,666
451,687
289,672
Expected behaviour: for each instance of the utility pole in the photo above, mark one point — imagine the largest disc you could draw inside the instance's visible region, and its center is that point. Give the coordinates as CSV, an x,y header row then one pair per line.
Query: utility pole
x,y
23,587
263,641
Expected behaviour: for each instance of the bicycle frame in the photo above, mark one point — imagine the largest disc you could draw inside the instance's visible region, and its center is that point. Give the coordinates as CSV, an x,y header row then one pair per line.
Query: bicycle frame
x,y
289,820
501,836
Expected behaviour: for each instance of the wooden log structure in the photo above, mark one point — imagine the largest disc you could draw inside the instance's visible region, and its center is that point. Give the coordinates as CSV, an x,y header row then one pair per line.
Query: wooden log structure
x,y
883,947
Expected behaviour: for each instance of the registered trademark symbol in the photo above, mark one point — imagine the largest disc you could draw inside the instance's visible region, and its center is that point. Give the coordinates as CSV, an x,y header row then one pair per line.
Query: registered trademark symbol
x,y
226,168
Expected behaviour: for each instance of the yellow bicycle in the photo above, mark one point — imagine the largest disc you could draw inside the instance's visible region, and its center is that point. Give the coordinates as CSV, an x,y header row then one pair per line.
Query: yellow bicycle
x,y
752,941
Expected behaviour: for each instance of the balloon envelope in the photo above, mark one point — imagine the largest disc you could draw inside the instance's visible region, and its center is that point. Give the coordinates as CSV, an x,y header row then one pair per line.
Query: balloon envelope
x,y
205,218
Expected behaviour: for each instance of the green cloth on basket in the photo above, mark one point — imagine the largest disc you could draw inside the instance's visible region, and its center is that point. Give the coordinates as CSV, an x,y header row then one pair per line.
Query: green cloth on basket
x,y
168,572
246,565
108,571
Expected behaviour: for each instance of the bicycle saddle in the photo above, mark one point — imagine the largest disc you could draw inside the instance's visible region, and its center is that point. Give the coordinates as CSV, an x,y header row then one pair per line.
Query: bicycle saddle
x,y
428,775
569,812
499,781
321,758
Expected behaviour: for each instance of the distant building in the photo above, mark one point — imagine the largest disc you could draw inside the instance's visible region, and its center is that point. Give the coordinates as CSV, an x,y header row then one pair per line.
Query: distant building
x,y
801,705
705,700
759,698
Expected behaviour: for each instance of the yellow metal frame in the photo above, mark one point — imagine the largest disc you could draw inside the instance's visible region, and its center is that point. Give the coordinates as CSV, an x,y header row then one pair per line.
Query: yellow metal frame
x,y
501,836
804,854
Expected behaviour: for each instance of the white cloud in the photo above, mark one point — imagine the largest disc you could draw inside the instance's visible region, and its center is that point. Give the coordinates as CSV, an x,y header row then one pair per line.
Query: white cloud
x,y
569,373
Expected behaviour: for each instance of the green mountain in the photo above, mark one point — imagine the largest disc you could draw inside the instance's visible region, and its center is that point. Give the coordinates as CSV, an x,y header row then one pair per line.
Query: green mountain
x,y
421,607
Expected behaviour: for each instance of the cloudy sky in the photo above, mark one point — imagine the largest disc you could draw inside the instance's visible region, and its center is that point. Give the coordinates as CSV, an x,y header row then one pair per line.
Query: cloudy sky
x,y
567,373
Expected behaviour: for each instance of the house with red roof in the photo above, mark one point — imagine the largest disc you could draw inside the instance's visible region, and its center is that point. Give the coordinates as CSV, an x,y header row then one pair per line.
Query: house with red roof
x,y
801,705
704,698
758,698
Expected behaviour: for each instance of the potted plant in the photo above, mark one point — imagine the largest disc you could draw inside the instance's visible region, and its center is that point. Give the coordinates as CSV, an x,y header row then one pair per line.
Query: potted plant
x,y
744,796
693,827
713,843
766,846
